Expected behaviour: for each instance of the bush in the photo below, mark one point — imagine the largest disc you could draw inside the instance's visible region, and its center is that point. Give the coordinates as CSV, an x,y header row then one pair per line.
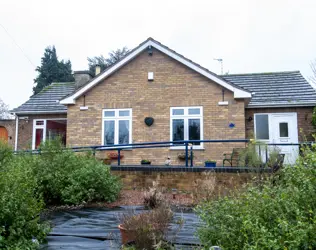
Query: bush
x,y
20,204
55,176
149,228
279,215
67,178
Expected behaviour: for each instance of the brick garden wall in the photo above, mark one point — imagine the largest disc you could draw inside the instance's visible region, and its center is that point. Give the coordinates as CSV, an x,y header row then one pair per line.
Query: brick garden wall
x,y
184,181
174,85
304,120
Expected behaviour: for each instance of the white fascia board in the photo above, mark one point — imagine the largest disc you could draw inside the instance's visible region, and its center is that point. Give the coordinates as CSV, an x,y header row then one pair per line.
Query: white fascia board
x,y
238,93
41,112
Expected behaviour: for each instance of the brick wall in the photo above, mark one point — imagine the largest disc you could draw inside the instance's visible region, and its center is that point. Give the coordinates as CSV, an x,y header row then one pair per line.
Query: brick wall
x,y
9,125
184,181
304,120
26,129
174,85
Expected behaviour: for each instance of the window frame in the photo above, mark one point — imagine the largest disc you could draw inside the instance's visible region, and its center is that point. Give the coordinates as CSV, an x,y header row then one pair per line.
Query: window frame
x,y
44,127
186,118
116,118
255,127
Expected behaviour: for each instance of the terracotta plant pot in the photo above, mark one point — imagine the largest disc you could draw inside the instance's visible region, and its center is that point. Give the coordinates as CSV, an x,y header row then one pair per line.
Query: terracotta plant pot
x,y
126,235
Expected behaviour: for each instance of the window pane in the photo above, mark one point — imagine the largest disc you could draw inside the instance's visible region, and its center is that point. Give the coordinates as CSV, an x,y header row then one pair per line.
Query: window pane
x,y
39,122
108,132
56,129
38,137
178,129
284,129
124,113
262,127
109,113
123,132
194,111
178,112
194,130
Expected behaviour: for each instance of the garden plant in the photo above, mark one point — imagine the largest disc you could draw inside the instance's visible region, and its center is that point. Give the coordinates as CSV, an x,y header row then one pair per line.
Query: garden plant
x,y
29,183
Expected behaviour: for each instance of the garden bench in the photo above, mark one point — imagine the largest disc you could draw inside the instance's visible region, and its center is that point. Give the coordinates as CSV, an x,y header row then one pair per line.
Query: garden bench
x,y
234,157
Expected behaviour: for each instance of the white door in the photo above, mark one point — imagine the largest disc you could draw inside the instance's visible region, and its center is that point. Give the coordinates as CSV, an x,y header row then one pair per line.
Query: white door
x,y
278,128
284,130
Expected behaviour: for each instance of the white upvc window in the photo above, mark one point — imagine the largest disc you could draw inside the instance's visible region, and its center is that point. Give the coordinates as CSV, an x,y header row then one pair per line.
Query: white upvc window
x,y
116,126
186,123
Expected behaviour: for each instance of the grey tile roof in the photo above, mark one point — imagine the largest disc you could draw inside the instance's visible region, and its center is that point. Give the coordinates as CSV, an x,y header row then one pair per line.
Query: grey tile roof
x,y
47,101
276,89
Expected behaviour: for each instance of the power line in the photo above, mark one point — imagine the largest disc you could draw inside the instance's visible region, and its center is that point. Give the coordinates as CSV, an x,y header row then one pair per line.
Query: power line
x,y
24,54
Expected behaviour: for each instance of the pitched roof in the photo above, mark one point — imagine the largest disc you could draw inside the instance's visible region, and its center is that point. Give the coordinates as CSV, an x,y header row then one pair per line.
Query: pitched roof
x,y
276,89
47,101
238,91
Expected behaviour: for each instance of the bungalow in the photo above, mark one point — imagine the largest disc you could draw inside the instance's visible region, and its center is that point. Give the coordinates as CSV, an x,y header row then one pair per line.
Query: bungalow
x,y
181,99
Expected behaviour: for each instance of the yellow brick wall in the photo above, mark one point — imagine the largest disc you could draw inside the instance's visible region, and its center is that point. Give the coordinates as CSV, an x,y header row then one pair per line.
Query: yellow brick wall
x,y
174,85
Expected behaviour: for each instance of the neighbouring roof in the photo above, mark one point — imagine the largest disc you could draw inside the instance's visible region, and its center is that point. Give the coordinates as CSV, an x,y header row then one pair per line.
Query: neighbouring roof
x,y
47,101
238,91
276,89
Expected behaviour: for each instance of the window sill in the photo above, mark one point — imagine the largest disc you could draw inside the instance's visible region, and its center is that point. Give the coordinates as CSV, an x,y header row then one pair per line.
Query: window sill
x,y
181,148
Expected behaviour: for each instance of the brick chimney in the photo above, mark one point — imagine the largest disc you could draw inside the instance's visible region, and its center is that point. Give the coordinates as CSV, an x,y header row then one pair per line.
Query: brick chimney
x,y
81,78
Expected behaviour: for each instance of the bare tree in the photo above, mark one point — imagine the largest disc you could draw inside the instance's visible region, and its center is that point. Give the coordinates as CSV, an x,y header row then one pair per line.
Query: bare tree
x,y
4,111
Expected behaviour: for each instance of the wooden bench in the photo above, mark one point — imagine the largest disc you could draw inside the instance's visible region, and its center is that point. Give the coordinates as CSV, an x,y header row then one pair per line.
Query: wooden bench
x,y
234,157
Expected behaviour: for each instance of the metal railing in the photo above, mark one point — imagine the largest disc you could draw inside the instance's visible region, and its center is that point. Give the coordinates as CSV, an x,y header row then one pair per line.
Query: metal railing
x,y
187,144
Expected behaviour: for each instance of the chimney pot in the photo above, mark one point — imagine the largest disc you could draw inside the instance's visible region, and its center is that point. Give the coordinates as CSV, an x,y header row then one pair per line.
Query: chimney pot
x,y
97,69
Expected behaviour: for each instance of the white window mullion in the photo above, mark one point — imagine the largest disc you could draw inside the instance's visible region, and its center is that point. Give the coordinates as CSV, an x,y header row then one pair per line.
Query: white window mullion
x,y
186,129
116,124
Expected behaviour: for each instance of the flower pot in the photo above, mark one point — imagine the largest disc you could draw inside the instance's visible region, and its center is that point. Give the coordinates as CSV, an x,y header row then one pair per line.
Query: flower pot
x,y
126,235
210,164
145,163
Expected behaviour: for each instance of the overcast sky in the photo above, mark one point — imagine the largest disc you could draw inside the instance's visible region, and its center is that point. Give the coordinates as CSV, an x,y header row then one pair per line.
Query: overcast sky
x,y
250,35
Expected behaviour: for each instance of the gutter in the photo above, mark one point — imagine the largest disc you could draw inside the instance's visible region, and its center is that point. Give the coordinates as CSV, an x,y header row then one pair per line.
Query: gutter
x,y
40,112
282,105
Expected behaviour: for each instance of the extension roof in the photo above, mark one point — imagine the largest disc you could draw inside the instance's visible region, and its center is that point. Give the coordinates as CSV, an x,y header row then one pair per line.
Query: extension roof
x,y
276,89
47,101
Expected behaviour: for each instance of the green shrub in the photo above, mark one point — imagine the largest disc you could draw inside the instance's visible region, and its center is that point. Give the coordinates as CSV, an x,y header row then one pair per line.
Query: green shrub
x,y
278,215
20,205
55,176
68,178
6,154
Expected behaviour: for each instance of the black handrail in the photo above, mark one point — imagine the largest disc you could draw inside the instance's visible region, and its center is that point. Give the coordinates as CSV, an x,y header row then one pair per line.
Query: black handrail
x,y
183,143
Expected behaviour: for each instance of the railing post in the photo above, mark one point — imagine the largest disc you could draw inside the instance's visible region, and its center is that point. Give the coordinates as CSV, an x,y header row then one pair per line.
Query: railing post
x,y
93,152
191,154
186,154
266,153
119,157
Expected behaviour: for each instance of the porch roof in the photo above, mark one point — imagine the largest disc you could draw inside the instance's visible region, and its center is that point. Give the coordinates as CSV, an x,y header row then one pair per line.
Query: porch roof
x,y
47,101
276,89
